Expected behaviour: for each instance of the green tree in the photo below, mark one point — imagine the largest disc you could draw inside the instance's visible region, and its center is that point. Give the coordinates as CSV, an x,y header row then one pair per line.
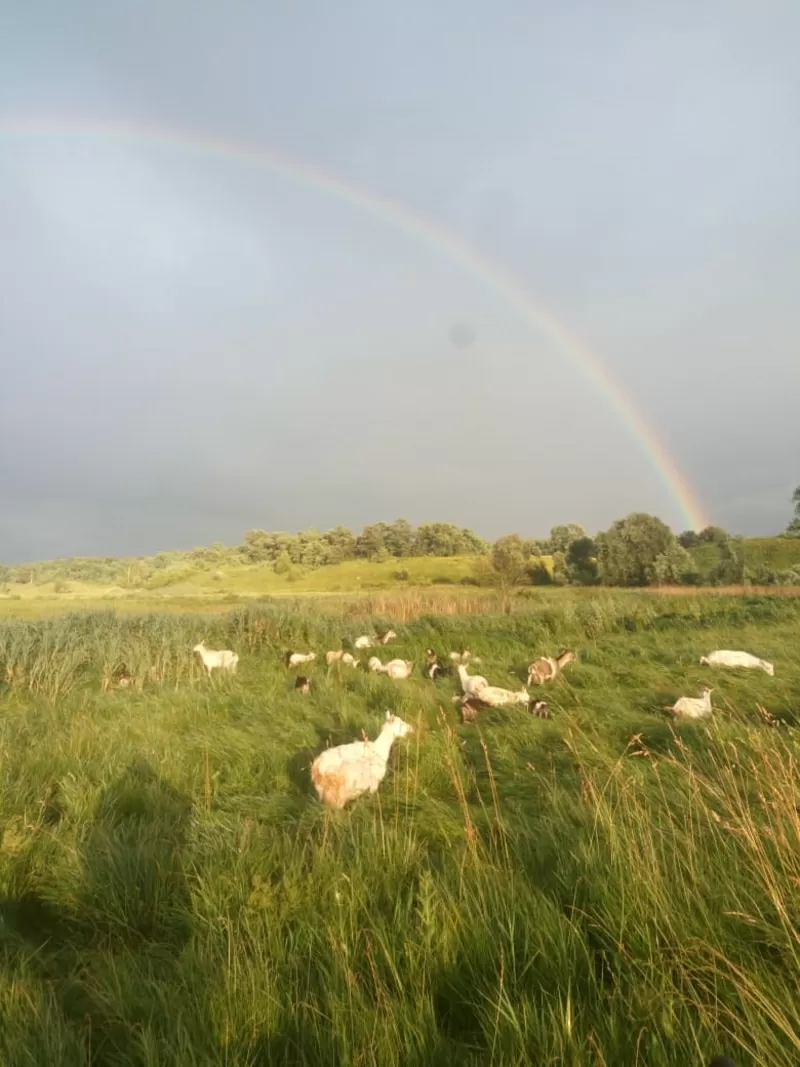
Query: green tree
x,y
371,542
689,539
399,538
793,529
714,535
509,561
731,567
283,564
628,550
561,537
445,539
581,561
341,543
676,566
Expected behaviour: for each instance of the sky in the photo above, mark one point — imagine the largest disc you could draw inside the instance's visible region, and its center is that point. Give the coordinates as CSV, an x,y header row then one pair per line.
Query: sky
x,y
193,345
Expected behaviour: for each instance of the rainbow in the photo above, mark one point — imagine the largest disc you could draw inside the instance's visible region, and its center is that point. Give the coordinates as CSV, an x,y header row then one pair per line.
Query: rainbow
x,y
494,277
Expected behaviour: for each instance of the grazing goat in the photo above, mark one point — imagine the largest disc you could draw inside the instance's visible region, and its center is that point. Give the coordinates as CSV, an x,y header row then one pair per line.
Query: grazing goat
x,y
470,684
363,642
694,707
348,660
395,668
302,684
212,660
386,637
333,657
540,709
294,659
725,658
546,669
345,772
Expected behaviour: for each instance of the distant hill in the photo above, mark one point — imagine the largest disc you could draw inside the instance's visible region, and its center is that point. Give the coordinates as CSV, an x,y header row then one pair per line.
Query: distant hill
x,y
314,562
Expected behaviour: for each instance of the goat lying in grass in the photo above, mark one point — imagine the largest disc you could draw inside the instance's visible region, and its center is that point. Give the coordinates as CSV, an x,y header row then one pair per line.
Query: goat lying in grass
x,y
343,773
693,707
395,668
217,660
726,658
294,659
492,696
345,658
363,642
470,706
546,669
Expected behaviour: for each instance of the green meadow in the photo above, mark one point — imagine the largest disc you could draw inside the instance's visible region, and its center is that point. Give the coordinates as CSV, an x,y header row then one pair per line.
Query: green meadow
x,y
606,887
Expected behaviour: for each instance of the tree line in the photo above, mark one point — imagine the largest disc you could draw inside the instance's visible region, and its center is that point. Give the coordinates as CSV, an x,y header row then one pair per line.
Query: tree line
x,y
638,550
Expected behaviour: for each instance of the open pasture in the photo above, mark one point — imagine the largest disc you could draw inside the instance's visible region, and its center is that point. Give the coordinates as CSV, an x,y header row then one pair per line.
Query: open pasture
x,y
605,887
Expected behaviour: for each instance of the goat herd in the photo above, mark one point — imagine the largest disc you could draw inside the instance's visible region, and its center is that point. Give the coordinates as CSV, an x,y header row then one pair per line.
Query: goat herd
x,y
347,771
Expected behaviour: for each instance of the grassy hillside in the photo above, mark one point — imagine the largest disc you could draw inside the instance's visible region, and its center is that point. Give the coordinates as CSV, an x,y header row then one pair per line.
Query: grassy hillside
x,y
183,585
761,555
602,888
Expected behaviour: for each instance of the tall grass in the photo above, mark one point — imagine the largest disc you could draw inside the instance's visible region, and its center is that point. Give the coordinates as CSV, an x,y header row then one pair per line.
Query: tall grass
x,y
603,888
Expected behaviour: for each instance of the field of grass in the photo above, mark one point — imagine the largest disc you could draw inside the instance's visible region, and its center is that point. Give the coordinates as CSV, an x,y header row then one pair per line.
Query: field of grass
x,y
604,888
234,583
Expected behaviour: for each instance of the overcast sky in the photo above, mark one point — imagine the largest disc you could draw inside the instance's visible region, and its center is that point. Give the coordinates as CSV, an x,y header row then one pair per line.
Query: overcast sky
x,y
192,346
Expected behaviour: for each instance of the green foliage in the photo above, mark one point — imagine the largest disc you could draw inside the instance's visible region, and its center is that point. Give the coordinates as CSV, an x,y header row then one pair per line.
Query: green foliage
x,y
675,567
399,539
561,537
628,551
731,567
580,565
568,556
714,535
445,539
283,564
793,529
605,887
509,560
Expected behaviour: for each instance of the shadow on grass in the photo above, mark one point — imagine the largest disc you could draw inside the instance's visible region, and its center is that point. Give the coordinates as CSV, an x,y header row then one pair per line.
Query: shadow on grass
x,y
111,954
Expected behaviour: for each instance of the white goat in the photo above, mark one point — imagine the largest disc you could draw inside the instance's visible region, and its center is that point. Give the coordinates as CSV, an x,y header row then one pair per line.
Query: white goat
x,y
546,669
348,660
212,660
395,668
294,659
333,657
345,772
470,684
492,696
725,658
694,707
470,706
363,642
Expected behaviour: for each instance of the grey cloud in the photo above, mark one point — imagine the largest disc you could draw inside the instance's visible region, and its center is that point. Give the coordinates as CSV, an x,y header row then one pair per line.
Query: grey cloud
x,y
192,345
